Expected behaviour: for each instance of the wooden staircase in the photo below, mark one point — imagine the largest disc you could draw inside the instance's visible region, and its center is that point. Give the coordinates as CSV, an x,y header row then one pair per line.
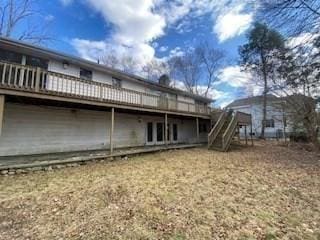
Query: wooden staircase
x,y
223,131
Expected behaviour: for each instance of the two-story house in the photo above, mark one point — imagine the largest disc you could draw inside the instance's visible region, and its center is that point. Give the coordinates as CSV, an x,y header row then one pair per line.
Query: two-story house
x,y
51,102
275,126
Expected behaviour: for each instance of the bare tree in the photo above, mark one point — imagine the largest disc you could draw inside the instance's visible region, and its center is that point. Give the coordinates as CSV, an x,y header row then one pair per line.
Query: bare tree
x,y
292,16
154,69
211,60
15,13
110,60
197,69
187,69
128,64
123,63
296,79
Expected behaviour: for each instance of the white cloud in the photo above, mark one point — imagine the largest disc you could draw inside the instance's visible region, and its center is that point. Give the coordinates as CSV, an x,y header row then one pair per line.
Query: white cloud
x,y
134,20
66,2
212,93
94,50
240,84
138,23
49,18
177,51
234,77
163,48
135,24
232,23
90,50
303,39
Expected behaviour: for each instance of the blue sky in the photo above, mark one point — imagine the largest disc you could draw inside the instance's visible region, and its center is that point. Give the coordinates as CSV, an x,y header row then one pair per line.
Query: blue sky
x,y
148,29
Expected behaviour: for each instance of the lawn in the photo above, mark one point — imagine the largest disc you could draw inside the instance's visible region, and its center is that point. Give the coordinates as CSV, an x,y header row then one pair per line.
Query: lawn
x,y
262,192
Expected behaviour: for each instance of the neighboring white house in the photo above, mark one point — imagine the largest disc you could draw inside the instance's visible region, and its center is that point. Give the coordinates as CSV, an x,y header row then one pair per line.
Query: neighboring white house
x,y
275,120
52,102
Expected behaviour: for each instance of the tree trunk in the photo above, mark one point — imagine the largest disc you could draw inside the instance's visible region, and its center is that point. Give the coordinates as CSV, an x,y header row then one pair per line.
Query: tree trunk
x,y
265,91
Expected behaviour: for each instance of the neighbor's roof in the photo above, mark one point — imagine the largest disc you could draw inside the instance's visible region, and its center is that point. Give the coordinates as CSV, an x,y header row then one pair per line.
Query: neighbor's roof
x,y
251,100
27,48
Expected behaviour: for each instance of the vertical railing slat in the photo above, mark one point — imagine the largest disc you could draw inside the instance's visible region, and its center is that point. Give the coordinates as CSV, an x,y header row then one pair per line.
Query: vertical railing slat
x,y
4,73
9,75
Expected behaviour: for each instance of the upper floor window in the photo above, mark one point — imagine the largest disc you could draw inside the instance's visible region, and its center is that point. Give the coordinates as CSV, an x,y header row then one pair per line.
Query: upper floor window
x,y
116,82
270,123
9,56
36,62
85,74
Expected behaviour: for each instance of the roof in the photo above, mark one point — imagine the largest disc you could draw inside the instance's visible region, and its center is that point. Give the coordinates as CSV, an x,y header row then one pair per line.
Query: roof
x,y
270,99
252,100
28,48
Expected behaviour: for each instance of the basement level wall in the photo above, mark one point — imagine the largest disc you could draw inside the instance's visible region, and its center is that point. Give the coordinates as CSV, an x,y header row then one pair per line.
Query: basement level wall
x,y
31,129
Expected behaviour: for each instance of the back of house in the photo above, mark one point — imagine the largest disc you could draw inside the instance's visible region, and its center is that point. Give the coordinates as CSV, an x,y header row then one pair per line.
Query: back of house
x,y
51,102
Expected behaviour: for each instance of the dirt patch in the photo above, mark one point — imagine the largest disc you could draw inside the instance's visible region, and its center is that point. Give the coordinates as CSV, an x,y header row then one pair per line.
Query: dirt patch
x,y
265,192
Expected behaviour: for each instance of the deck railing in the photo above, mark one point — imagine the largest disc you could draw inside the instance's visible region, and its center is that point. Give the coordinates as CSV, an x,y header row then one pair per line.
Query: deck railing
x,y
217,127
17,76
229,132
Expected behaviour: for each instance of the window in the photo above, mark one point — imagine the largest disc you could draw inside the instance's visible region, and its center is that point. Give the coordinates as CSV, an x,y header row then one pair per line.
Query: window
x,y
85,74
168,132
36,62
270,123
160,132
175,132
9,56
116,82
149,132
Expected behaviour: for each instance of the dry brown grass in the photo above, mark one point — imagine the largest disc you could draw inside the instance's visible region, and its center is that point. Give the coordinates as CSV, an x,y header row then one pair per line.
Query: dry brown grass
x,y
265,192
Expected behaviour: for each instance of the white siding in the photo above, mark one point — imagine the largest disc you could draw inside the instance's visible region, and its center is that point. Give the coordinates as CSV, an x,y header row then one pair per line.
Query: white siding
x,y
257,116
101,77
133,86
30,129
71,70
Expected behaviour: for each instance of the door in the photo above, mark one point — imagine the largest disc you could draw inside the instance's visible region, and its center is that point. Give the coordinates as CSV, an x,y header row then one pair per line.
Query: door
x,y
160,133
150,136
174,133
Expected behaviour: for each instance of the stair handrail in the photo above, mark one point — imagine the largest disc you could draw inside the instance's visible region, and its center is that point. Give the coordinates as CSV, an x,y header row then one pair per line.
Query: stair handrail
x,y
216,128
229,131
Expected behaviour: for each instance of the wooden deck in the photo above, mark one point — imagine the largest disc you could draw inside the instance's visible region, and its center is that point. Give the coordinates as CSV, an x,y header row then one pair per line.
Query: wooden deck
x,y
17,79
44,160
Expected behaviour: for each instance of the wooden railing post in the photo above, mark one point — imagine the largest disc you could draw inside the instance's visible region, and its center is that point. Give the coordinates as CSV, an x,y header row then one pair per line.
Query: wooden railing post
x,y
2,101
37,83
141,99
4,73
101,91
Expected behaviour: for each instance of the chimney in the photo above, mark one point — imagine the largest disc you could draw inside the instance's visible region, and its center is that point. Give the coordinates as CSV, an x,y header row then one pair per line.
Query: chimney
x,y
164,80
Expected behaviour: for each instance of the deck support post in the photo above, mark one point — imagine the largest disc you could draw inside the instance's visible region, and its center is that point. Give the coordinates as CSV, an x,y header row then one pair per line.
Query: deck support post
x,y
166,129
251,137
111,130
245,133
2,100
198,134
